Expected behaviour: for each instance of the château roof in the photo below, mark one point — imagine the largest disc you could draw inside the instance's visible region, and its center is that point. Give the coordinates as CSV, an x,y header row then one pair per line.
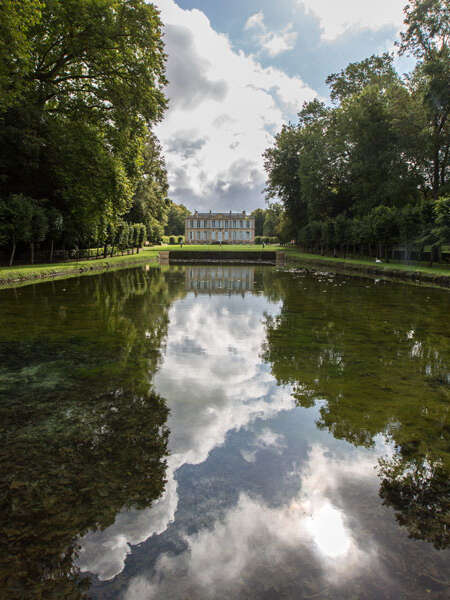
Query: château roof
x,y
221,215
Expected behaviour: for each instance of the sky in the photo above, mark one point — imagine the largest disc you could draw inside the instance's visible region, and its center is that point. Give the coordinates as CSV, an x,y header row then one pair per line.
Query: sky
x,y
239,69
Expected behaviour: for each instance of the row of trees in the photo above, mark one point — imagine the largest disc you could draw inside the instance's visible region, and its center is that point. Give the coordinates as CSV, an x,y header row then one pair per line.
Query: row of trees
x,y
23,220
81,88
376,234
372,169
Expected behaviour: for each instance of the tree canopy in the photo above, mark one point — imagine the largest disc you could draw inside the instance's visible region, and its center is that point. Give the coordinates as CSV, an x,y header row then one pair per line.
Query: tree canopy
x,y
82,85
368,171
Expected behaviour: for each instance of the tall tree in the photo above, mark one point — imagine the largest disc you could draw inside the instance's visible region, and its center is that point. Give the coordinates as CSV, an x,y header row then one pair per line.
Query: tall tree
x,y
150,203
176,219
427,38
376,70
259,215
86,87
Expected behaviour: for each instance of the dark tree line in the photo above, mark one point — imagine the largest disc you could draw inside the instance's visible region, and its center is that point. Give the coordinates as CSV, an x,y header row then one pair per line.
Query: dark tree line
x,y
81,87
371,171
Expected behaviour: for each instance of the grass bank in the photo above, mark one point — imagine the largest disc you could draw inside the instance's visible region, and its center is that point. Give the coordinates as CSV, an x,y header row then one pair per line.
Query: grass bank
x,y
438,275
15,276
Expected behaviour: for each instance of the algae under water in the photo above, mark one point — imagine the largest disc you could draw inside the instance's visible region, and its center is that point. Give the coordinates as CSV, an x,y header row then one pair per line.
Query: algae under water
x,y
216,432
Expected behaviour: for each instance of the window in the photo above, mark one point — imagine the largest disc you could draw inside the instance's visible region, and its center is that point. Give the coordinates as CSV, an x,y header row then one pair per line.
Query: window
x,y
234,235
213,235
198,234
242,223
248,234
198,223
191,235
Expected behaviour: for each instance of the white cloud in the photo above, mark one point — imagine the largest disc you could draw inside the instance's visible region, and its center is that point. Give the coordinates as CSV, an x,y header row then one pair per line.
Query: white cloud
x,y
276,43
255,21
226,99
273,43
337,17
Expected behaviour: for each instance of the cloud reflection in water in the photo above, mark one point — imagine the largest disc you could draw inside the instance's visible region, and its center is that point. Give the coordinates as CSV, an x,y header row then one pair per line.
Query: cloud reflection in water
x,y
256,543
213,393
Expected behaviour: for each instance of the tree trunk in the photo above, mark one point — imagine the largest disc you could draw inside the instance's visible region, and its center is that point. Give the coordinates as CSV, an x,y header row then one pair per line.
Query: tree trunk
x,y
105,251
436,175
11,259
434,255
51,251
32,252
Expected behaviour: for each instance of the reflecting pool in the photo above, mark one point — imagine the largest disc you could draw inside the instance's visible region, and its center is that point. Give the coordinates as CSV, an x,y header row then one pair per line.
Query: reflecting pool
x,y
217,432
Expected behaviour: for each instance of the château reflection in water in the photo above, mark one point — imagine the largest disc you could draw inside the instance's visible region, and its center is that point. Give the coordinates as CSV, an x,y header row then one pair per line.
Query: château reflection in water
x,y
220,279
288,440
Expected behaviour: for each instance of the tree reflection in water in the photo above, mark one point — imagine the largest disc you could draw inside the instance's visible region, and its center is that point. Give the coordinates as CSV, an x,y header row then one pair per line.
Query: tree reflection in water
x,y
83,434
335,344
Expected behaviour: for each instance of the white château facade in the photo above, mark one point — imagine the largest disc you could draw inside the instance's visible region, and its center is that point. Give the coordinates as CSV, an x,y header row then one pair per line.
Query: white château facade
x,y
227,228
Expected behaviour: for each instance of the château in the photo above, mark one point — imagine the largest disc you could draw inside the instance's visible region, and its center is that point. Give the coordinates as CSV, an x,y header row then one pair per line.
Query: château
x,y
214,228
